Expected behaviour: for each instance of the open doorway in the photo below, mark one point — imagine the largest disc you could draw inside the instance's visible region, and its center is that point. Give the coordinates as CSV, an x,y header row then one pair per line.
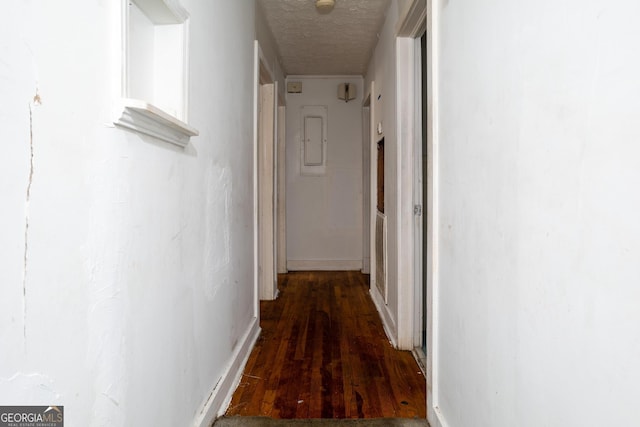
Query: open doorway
x,y
421,196
266,179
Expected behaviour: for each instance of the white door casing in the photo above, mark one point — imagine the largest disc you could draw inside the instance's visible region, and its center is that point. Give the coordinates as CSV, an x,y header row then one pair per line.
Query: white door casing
x,y
265,110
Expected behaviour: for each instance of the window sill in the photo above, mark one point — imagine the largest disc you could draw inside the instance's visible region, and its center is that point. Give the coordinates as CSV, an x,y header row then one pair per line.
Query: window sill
x,y
142,117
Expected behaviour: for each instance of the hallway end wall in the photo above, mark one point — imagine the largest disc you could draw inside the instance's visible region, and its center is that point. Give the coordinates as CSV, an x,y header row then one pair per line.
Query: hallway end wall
x,y
324,212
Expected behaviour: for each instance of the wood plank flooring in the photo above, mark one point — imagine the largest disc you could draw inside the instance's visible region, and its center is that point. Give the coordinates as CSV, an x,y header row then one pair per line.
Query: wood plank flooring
x,y
323,354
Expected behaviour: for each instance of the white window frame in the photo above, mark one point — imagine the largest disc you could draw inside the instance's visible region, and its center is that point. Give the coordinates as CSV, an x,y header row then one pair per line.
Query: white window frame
x,y
142,115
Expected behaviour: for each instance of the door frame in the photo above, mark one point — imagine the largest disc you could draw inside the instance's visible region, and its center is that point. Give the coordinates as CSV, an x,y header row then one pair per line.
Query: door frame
x,y
421,227
281,189
366,186
420,15
412,24
264,179
373,200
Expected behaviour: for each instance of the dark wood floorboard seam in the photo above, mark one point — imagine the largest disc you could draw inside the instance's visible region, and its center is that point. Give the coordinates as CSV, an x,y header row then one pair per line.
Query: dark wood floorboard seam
x,y
323,353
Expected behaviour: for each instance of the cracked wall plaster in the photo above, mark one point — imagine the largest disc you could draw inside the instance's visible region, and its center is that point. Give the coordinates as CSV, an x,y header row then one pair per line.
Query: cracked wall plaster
x,y
35,102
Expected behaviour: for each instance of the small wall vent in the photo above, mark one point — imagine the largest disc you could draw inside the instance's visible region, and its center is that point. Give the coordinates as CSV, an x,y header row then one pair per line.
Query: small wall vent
x,y
294,87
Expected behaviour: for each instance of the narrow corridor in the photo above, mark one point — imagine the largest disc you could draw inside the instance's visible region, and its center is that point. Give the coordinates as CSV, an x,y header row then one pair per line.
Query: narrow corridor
x,y
323,353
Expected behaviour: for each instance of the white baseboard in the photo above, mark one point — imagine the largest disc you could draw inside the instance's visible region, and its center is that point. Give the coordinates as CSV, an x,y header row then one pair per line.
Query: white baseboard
x,y
324,264
366,266
388,323
222,392
439,420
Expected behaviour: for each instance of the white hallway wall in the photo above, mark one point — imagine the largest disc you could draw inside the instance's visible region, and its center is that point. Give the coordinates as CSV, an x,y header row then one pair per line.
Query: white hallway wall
x,y
324,213
539,236
131,293
382,71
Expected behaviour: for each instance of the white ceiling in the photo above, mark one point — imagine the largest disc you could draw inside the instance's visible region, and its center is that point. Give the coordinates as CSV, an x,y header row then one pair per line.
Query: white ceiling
x,y
340,42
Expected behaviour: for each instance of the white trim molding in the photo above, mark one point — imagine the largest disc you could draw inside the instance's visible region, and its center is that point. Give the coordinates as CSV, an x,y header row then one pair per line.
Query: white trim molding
x,y
412,19
405,116
265,137
142,117
420,16
388,324
373,187
222,392
324,265
154,76
434,415
256,92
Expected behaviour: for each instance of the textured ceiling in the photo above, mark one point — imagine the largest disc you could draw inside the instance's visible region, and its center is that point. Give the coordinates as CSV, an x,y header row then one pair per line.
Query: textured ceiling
x,y
340,42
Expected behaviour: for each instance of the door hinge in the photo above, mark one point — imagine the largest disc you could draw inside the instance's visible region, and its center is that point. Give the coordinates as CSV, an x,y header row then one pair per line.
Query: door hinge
x,y
417,210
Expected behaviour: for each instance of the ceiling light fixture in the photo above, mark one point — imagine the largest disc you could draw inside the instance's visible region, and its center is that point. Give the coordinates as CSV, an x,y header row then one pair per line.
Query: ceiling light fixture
x,y
325,6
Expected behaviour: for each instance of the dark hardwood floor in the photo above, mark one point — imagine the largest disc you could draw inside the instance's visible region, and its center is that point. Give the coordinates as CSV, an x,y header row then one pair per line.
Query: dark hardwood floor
x,y
323,354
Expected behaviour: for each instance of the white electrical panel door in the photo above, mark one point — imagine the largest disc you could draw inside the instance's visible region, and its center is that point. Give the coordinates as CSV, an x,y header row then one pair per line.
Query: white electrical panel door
x,y
313,135
313,141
